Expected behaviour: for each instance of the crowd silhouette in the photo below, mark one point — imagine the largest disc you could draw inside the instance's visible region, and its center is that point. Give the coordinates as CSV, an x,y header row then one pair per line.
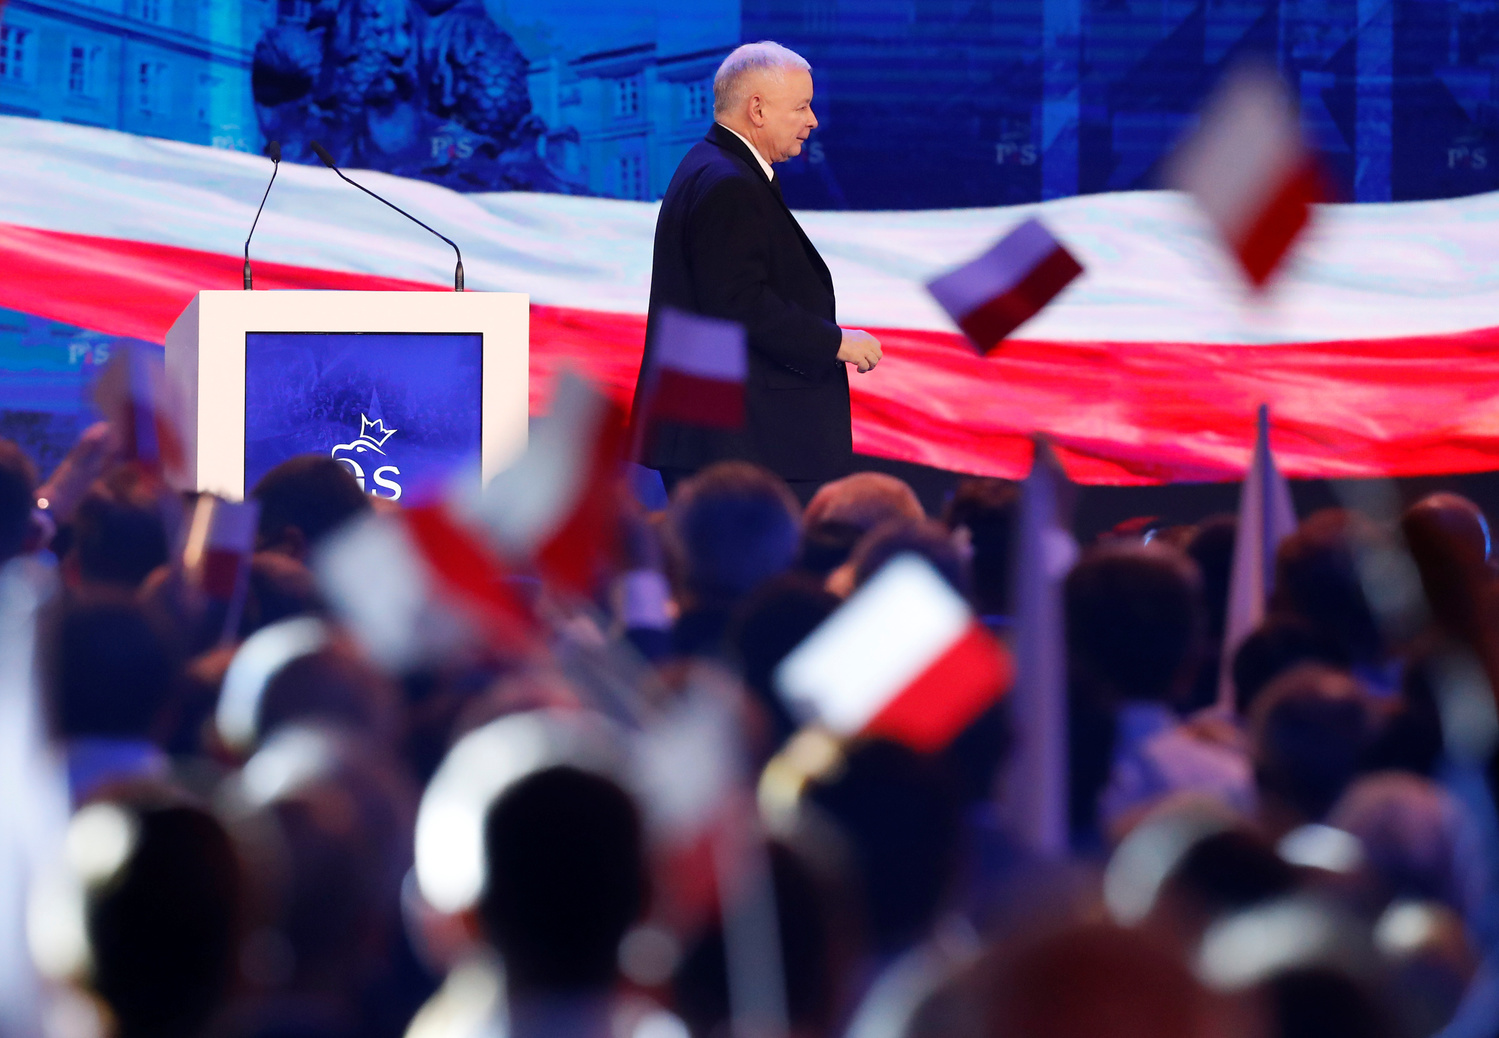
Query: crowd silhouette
x,y
616,827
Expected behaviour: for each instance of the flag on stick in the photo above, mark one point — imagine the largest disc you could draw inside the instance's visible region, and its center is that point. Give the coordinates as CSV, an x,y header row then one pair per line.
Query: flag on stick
x,y
1008,285
132,396
414,586
904,658
1266,517
557,506
217,551
1249,168
1036,786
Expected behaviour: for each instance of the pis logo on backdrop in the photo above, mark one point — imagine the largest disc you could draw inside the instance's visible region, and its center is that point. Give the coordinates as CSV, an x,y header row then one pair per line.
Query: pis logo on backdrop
x,y
367,452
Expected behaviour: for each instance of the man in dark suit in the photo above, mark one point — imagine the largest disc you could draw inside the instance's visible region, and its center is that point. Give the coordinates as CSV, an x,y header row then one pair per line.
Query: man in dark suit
x,y
727,247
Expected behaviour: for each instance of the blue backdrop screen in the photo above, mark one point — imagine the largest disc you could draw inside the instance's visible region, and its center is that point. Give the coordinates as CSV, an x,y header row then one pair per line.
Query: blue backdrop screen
x,y
924,103
402,411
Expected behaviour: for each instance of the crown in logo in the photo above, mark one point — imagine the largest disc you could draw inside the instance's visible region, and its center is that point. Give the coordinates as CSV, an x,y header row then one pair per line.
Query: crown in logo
x,y
375,432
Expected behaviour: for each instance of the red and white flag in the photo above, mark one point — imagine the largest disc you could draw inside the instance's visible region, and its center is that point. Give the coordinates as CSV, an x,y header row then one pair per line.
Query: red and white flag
x,y
1250,170
416,585
133,397
698,368
904,658
216,554
558,505
1008,285
220,542
1266,517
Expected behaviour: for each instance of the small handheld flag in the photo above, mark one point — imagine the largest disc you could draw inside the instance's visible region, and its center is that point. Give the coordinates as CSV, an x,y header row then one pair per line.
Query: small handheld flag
x,y
557,505
1008,285
699,365
216,554
1249,169
904,658
132,396
416,585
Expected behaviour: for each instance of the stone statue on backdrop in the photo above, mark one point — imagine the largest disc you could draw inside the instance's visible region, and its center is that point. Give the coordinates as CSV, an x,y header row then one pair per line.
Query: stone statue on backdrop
x,y
431,89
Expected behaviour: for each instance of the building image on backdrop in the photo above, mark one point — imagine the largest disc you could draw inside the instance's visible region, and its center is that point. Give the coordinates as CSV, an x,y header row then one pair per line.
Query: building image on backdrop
x,y
923,104
1013,100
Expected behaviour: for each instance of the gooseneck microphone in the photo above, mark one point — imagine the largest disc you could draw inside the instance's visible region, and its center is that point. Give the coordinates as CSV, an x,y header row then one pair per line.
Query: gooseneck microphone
x,y
322,153
272,152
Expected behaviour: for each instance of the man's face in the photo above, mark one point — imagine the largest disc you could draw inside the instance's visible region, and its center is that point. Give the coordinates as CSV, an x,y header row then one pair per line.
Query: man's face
x,y
786,107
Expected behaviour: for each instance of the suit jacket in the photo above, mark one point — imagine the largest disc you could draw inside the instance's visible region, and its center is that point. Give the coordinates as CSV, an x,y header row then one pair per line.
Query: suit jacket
x,y
727,246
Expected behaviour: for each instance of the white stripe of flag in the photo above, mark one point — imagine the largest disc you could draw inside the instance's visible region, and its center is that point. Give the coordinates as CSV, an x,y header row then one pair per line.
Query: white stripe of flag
x,y
904,657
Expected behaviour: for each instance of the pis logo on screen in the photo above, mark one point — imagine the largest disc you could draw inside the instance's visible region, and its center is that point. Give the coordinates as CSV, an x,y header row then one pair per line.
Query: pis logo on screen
x,y
367,452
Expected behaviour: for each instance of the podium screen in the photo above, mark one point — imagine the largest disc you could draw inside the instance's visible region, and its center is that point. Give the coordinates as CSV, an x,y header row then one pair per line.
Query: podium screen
x,y
402,410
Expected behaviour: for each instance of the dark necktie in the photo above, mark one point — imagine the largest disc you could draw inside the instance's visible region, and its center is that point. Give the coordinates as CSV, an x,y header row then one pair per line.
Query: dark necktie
x,y
775,185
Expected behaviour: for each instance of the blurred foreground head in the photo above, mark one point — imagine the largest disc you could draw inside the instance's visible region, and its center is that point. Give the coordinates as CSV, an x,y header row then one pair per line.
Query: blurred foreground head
x,y
729,528
986,509
865,500
304,499
1418,842
925,537
843,511
1274,647
326,818
1448,537
1189,862
109,668
1211,546
299,672
565,858
119,535
1311,968
773,621
162,911
898,812
1095,980
1309,732
1133,622
279,587
812,956
1317,578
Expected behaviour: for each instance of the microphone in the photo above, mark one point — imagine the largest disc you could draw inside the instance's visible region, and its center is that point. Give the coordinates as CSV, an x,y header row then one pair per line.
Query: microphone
x,y
322,153
273,152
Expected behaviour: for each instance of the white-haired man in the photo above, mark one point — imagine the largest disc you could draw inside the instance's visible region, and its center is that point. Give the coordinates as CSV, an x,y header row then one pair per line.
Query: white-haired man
x,y
727,246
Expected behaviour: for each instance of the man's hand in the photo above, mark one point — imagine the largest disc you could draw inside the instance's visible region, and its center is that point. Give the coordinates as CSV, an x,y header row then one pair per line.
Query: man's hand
x,y
860,349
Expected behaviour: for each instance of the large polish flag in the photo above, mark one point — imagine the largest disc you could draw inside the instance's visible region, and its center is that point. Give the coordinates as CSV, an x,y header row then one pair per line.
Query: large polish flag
x,y
904,658
1378,351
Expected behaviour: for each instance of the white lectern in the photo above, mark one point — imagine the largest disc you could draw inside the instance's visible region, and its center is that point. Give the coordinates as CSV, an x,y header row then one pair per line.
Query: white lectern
x,y
408,389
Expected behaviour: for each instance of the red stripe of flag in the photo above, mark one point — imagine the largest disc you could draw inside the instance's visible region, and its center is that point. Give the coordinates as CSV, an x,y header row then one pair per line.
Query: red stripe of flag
x,y
695,400
945,698
989,324
1279,223
468,569
578,550
221,572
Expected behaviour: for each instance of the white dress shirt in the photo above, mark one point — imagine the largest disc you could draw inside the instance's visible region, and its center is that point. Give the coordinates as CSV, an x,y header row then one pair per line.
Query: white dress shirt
x,y
769,173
